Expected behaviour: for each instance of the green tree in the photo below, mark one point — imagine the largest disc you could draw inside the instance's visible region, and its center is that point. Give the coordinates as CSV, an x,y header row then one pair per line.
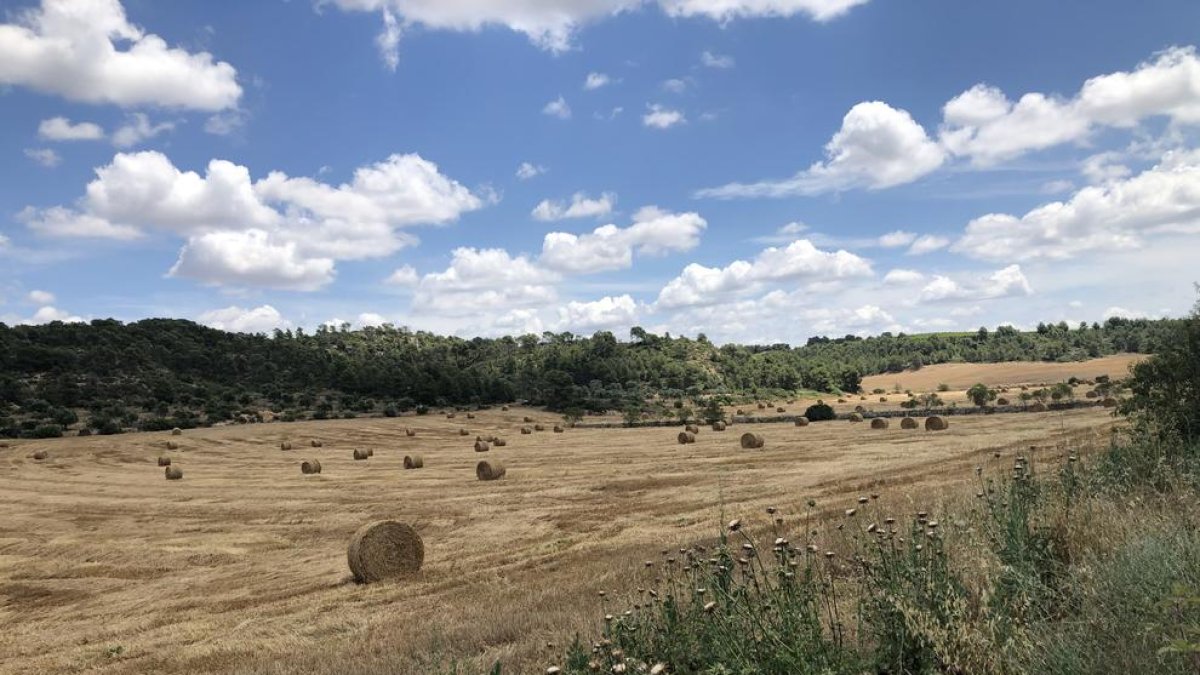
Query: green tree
x,y
1165,389
980,394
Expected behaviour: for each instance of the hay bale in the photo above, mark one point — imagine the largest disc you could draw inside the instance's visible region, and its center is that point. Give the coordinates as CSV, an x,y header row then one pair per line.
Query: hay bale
x,y
500,443
503,408
172,445
801,421
164,461
40,455
316,444
310,466
384,549
489,470
451,416
855,417
173,473
883,399
692,428
936,423
879,423
526,430
528,420
909,423
686,437
1109,403
410,432
481,446
741,412
360,455
1001,401
413,461
463,432
177,431
370,453
558,429
286,445
841,400
859,409
780,410
539,427
752,441
1092,394
718,426
762,406
1037,407
470,416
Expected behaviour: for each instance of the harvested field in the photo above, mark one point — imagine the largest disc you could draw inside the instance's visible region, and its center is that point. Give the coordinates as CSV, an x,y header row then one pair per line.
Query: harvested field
x,y
963,375
241,567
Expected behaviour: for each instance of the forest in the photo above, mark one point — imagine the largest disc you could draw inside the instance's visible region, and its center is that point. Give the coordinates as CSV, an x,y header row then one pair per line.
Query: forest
x,y
107,376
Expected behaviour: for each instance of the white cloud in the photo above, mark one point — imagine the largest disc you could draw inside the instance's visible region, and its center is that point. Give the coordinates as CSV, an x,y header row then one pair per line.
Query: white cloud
x,y
263,319
371,319
1054,187
1123,313
897,239
877,147
388,40
928,243
225,122
62,129
596,80
984,125
46,157
1006,282
1119,214
581,206
558,108
659,117
552,24
712,60
41,297
484,280
251,258
50,314
675,85
137,129
604,314
292,229
528,170
903,277
1104,167
611,248
784,234
700,285
4,242
404,276
86,50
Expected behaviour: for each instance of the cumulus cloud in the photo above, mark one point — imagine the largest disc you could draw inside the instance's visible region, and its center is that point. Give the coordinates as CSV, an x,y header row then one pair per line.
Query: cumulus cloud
x,y
800,260
50,314
903,277
484,280
1006,282
596,80
46,157
660,117
928,243
262,319
675,85
581,206
604,314
87,50
138,129
62,129
528,170
558,108
877,147
711,60
897,239
1119,214
609,247
41,297
405,277
292,228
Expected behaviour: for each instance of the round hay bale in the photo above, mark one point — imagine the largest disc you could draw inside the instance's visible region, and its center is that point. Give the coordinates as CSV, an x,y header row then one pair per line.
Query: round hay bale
x,y
489,470
173,473
686,437
40,455
286,445
692,428
463,432
762,406
383,550
718,426
909,423
410,432
451,416
413,461
558,429
528,420
741,412
481,446
470,416
879,423
859,409
841,400
500,443
1109,403
752,441
883,399
164,461
855,417
1037,407
539,427
177,431
370,453
801,421
1092,394
503,408
172,445
316,444
310,466
526,430
1001,401
862,398
936,423
780,409
360,455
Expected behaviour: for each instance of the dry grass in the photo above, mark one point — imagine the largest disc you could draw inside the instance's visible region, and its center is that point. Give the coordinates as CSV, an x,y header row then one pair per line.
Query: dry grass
x,y
242,566
963,375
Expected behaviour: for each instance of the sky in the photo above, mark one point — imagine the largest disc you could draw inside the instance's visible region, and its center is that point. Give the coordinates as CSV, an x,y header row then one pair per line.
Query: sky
x,y
758,171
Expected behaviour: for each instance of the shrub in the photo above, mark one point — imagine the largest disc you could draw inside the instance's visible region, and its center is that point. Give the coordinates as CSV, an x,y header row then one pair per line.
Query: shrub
x,y
48,431
819,412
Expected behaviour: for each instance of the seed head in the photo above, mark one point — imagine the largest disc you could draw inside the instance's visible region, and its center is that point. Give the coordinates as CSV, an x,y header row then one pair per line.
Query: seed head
x,y
709,607
735,525
863,500
851,512
771,510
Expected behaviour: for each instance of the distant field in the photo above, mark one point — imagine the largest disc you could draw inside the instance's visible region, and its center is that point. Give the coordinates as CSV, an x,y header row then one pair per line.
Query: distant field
x,y
963,375
241,566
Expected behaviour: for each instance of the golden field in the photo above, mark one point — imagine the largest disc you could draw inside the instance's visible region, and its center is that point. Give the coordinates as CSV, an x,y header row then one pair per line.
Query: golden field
x,y
241,566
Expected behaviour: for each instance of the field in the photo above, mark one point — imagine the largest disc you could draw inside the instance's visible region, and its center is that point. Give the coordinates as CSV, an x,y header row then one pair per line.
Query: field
x,y
963,375
241,566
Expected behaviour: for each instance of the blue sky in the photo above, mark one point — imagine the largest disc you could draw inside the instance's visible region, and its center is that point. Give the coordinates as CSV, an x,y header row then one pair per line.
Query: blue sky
x,y
756,170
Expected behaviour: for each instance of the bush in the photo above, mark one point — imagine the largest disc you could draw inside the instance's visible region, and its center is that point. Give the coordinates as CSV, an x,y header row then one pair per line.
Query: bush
x,y
48,431
1165,389
819,412
390,410
943,387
